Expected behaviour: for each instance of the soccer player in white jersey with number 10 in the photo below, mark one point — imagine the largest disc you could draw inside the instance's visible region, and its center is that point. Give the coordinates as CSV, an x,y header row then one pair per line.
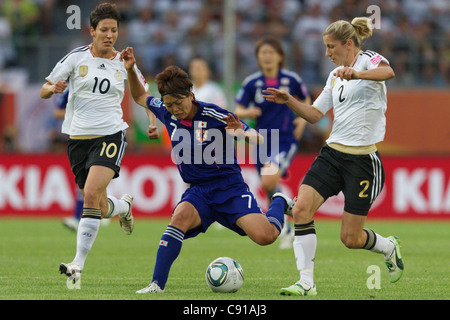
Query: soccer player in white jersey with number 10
x,y
95,126
349,162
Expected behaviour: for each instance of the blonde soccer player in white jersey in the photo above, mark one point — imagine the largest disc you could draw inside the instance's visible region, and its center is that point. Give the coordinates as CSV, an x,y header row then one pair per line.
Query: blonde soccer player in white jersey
x,y
349,161
95,126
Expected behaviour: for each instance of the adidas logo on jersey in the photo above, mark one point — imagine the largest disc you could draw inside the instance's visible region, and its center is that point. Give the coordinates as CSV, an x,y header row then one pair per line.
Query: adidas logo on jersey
x,y
102,67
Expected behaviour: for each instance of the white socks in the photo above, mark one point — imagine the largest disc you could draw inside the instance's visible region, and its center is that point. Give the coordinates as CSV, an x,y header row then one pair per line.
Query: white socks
x,y
379,244
305,251
117,207
86,234
305,244
90,223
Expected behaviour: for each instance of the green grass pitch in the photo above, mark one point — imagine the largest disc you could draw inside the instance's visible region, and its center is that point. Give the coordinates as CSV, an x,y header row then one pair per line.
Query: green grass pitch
x,y
118,265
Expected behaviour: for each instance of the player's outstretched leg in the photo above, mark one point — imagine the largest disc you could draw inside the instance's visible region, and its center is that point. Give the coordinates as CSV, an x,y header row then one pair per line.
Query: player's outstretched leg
x,y
390,248
169,249
289,203
122,208
287,233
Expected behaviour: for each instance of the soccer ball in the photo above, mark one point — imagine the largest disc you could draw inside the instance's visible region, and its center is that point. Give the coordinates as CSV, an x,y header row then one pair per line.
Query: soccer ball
x,y
224,275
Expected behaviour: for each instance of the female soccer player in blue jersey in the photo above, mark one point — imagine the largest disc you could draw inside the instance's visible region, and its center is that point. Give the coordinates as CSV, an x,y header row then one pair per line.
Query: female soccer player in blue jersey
x,y
200,134
271,116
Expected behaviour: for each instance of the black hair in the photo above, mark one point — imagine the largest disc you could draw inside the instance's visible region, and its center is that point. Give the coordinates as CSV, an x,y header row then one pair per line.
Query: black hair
x,y
104,10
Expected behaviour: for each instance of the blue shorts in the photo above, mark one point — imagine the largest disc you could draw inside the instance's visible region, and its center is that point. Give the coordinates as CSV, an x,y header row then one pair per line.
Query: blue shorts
x,y
222,200
282,158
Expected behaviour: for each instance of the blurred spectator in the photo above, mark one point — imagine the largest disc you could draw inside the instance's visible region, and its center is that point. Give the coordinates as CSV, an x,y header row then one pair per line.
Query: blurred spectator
x,y
6,46
142,32
414,35
205,89
413,32
307,34
8,132
23,15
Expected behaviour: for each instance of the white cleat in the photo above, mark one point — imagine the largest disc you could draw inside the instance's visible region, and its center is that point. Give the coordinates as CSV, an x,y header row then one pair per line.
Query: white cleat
x,y
71,270
71,223
127,222
286,236
151,288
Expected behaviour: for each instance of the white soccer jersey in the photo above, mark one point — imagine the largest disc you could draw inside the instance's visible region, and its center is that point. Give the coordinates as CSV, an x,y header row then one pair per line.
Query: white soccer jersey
x,y
211,92
96,90
358,105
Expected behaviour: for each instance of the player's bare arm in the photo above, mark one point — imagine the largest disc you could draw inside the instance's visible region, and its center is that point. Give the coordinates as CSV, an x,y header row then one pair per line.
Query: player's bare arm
x,y
152,132
306,111
136,89
48,89
235,128
382,73
243,112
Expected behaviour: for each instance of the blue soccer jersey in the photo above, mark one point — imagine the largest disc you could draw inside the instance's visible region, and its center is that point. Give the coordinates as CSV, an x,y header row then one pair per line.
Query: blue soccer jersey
x,y
61,100
274,116
202,150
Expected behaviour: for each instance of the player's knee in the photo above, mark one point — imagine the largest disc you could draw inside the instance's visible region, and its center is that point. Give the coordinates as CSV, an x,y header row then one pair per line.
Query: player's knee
x,y
264,238
182,219
91,197
302,213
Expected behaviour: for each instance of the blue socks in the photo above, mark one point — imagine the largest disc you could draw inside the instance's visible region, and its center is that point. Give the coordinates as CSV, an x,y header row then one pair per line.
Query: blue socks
x,y
172,240
169,248
275,214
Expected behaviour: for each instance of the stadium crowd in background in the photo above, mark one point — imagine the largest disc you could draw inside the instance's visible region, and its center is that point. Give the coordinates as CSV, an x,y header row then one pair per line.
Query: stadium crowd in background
x,y
414,34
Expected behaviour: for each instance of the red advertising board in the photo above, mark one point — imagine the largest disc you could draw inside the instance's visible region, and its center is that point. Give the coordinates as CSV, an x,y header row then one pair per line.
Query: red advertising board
x,y
43,185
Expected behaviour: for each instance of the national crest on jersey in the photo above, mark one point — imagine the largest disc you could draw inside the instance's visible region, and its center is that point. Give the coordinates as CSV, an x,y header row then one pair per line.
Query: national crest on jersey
x,y
201,148
201,135
83,70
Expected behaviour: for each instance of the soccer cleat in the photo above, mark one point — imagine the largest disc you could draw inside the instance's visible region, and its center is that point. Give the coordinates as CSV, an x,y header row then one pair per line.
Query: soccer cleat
x,y
71,223
151,288
289,203
299,289
72,270
395,263
127,222
286,236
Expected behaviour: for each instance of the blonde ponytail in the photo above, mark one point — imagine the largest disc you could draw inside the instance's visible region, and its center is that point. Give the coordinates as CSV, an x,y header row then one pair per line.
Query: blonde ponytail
x,y
357,30
362,27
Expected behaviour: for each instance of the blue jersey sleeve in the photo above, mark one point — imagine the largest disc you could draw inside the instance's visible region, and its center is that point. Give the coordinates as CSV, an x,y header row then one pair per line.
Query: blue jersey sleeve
x,y
300,90
244,95
61,101
217,112
156,106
